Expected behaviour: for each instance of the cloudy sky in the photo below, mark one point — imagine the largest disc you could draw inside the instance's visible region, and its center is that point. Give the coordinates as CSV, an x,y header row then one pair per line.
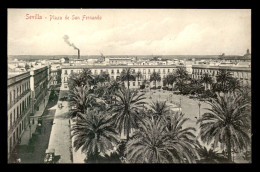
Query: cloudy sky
x,y
130,32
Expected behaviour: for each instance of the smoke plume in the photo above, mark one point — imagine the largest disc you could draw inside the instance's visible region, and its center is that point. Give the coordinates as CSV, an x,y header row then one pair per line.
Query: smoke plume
x,y
66,39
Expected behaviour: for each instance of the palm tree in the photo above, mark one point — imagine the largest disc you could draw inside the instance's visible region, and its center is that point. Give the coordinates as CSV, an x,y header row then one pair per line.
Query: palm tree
x,y
226,123
149,144
80,79
94,134
139,75
81,99
155,76
196,86
127,75
166,80
180,84
183,137
113,87
160,109
125,111
223,77
207,80
181,73
234,84
74,80
155,143
210,155
102,78
87,76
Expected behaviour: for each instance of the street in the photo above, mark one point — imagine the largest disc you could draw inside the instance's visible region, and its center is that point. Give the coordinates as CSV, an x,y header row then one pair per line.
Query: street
x,y
41,143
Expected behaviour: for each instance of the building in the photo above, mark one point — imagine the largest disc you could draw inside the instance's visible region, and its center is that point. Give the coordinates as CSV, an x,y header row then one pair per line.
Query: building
x,y
56,76
19,107
25,92
65,60
242,73
114,72
236,59
39,85
117,61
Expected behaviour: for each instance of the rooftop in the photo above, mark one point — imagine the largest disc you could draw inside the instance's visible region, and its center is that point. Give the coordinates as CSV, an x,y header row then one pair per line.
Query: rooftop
x,y
117,66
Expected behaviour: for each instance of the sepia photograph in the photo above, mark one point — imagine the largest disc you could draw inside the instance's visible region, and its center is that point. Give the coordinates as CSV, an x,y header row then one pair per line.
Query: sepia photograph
x,y
129,86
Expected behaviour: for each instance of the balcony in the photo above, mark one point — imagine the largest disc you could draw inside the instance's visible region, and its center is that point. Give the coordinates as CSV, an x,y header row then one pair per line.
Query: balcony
x,y
18,120
10,105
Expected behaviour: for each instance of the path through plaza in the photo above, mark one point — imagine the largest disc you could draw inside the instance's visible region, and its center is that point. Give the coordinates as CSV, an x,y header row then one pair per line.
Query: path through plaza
x,y
60,135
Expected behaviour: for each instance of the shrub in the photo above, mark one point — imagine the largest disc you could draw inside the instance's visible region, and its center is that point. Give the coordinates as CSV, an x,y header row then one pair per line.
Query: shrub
x,y
142,86
165,88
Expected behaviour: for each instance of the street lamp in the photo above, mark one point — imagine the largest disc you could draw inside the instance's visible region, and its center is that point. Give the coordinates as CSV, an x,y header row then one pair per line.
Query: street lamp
x,y
30,128
199,108
180,101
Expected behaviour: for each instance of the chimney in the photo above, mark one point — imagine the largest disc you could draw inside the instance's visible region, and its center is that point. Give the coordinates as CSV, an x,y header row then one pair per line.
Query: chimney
x,y
78,54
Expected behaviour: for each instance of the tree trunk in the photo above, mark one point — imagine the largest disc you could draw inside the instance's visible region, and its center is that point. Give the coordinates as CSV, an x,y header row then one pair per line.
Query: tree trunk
x,y
229,147
128,83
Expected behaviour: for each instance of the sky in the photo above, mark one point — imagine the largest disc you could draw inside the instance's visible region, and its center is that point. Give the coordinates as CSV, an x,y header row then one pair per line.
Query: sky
x,y
129,31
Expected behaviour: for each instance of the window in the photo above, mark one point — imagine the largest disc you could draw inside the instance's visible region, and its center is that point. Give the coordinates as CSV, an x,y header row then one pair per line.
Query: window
x,y
133,83
138,83
11,144
66,72
11,118
144,72
117,71
71,71
163,70
149,71
168,70
112,71
10,97
14,137
20,109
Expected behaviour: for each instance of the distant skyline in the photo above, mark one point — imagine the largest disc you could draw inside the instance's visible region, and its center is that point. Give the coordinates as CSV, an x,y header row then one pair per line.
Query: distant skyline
x,y
130,32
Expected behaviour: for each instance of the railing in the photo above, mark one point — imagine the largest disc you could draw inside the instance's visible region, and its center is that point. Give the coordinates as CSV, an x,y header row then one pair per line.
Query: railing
x,y
18,120
10,105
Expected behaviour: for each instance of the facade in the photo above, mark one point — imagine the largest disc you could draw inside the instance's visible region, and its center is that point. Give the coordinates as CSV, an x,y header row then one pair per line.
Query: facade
x,y
19,107
114,72
39,84
56,74
25,93
243,74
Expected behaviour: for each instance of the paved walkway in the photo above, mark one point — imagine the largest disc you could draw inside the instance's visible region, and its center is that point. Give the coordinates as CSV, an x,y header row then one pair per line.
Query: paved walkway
x,y
60,134
78,157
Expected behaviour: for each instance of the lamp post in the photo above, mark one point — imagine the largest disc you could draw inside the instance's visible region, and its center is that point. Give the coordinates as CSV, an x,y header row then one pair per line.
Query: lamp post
x,y
199,108
30,128
180,104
